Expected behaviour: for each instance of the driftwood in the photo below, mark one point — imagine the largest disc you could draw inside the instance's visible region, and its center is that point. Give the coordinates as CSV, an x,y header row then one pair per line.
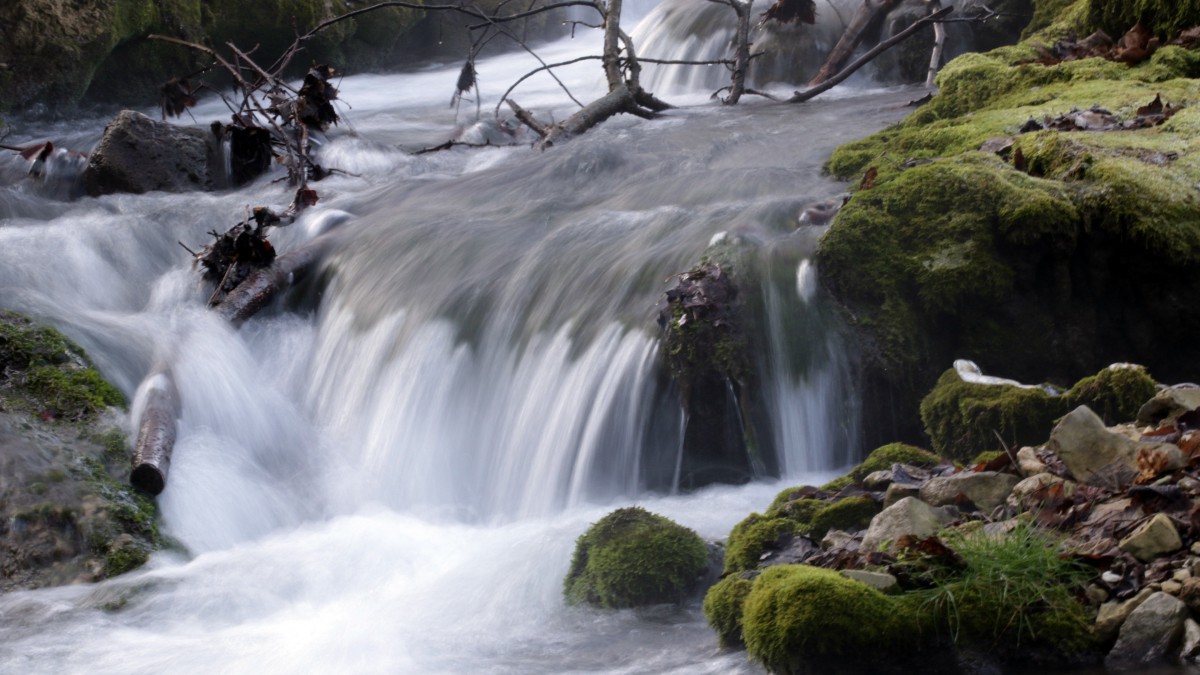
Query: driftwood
x,y
156,433
813,92
263,285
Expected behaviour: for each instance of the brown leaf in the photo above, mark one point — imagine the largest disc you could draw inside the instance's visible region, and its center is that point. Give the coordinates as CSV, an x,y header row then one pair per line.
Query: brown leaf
x,y
175,96
1152,462
868,179
1019,162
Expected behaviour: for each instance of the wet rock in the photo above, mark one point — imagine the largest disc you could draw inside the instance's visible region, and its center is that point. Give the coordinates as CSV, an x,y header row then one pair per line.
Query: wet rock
x,y
138,154
909,516
1155,538
880,581
1113,614
898,491
1086,446
1028,462
1150,635
986,489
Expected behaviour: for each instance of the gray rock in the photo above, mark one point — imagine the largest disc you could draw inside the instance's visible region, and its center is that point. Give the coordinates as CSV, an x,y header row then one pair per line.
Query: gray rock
x,y
1085,446
1150,635
1189,592
877,481
898,491
1156,537
1021,496
986,489
1168,404
909,516
1028,462
1114,612
138,154
1191,642
836,539
880,581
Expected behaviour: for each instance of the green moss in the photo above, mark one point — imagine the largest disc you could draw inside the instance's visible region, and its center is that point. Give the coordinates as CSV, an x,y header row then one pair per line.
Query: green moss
x,y
1164,18
964,419
1046,13
632,557
800,619
1115,394
124,559
72,394
24,344
987,456
723,604
1015,592
838,483
849,515
754,536
883,457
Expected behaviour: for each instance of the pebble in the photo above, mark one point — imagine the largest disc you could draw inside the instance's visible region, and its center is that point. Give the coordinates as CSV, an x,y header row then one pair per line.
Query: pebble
x,y
1171,587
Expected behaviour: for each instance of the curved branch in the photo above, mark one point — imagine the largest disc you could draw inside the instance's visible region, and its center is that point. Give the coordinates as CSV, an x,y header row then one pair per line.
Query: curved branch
x,y
535,71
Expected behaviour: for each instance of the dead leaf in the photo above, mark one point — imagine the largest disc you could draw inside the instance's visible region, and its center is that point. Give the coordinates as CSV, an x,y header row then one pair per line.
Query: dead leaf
x,y
1019,162
868,179
175,96
791,11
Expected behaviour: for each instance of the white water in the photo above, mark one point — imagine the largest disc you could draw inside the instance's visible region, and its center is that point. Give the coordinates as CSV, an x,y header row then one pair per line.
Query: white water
x,y
394,482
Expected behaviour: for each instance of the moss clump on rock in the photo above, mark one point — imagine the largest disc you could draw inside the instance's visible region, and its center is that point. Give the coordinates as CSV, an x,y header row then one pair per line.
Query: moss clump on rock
x,y
631,558
800,619
964,419
1115,393
882,459
754,536
723,605
1164,18
850,514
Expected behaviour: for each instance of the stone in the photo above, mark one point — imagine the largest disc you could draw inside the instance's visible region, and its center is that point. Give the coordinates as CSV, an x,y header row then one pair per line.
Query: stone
x,y
1155,459
1181,574
1114,612
836,539
1168,404
1021,496
1191,642
1095,594
898,491
138,154
1156,537
1189,593
909,516
877,481
1028,462
1172,587
1150,635
986,489
880,581
1086,446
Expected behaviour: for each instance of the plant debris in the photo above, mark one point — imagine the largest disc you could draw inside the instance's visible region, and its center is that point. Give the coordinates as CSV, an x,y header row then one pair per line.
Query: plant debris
x,y
237,253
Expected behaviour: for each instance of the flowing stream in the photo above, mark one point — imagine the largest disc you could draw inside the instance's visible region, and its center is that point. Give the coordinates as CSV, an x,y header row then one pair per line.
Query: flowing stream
x,y
388,473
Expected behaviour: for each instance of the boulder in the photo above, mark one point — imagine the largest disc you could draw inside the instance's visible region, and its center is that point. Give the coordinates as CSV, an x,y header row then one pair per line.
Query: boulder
x,y
1150,635
1190,652
138,154
909,516
1086,446
1156,537
1189,592
898,491
880,581
986,489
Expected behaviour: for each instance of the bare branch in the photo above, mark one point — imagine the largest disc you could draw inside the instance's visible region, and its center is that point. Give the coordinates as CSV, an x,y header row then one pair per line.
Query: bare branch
x,y
548,66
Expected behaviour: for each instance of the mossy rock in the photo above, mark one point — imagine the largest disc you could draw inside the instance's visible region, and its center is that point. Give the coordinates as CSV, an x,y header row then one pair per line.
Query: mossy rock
x,y
755,535
800,619
723,604
849,515
632,558
1115,393
1164,18
882,459
43,372
964,419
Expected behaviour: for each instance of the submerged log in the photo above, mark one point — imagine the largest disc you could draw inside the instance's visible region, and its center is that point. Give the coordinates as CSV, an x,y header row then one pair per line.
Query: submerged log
x,y
156,433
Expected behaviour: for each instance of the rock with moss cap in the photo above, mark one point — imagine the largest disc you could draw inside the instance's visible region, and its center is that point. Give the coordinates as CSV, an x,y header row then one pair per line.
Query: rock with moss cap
x,y
67,510
800,619
632,558
956,252
723,605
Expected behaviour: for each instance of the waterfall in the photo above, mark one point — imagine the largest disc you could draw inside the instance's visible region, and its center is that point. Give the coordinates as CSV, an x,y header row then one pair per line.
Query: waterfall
x,y
387,471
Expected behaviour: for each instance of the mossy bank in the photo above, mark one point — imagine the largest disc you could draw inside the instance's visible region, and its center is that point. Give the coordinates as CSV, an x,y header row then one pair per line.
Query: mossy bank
x,y
67,512
1047,267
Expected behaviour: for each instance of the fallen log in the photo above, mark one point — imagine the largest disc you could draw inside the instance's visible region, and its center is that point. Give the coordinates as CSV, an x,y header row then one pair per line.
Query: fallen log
x,y
869,12
262,286
156,433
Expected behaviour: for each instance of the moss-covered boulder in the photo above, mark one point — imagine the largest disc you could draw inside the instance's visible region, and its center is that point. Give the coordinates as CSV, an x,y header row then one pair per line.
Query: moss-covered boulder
x,y
67,511
631,558
800,619
1085,245
723,605
1116,393
758,534
849,515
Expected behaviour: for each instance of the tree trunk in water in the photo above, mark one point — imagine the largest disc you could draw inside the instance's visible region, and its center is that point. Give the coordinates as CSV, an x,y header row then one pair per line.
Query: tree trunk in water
x,y
866,14
156,434
261,287
741,57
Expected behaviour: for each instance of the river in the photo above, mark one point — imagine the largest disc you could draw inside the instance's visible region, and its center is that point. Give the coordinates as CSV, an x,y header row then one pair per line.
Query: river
x,y
389,474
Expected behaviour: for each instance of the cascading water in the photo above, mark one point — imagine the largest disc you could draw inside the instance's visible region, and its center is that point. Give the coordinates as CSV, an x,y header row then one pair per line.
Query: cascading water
x,y
394,482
